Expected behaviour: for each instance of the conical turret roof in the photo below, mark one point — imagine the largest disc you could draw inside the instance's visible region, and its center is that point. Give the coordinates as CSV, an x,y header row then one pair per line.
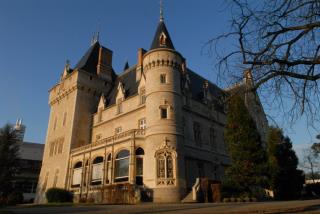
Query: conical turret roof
x,y
162,38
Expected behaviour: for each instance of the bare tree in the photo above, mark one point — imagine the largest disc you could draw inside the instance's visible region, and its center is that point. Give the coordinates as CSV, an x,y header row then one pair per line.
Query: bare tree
x,y
279,41
310,163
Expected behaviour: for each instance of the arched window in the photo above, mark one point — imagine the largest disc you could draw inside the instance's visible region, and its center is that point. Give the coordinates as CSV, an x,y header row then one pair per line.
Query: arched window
x,y
97,171
108,169
165,160
77,174
121,172
139,166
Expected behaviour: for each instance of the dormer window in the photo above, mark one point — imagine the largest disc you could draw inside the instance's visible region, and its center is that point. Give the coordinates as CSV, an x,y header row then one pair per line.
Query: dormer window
x,y
162,39
142,95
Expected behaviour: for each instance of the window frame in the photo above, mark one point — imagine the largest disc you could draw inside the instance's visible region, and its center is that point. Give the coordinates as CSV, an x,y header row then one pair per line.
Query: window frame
x,y
118,130
143,125
163,78
143,97
164,109
118,179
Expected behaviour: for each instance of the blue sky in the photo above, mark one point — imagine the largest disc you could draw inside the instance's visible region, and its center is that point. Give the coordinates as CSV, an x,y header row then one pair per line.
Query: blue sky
x,y
37,37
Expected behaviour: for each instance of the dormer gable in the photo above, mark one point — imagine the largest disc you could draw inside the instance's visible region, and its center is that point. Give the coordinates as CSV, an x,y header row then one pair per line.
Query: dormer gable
x,y
120,91
102,102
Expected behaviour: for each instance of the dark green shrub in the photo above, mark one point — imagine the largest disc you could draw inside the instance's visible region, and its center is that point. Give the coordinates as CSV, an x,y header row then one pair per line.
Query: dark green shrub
x,y
312,190
15,198
57,195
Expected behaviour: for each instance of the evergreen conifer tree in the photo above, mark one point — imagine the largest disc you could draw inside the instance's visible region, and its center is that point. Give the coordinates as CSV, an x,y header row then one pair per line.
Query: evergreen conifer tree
x,y
9,155
248,156
285,179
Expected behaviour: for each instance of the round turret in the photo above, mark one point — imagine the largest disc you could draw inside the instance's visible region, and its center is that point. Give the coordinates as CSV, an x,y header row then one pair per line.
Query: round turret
x,y
162,66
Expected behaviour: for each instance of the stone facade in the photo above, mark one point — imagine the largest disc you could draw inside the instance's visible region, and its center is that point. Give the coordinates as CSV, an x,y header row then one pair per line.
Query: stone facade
x,y
157,125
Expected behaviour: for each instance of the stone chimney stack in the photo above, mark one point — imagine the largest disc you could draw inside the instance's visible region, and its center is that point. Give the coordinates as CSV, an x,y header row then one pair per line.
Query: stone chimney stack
x,y
141,52
104,67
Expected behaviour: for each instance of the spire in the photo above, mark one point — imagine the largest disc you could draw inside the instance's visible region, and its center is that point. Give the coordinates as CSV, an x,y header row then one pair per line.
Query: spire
x,y
161,38
126,65
161,11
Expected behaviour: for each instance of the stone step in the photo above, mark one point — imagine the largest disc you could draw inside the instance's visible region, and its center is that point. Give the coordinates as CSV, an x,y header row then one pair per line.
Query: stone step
x,y
188,199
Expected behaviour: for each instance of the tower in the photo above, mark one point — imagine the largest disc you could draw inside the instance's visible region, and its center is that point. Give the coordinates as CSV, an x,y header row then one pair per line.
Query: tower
x,y
72,102
164,135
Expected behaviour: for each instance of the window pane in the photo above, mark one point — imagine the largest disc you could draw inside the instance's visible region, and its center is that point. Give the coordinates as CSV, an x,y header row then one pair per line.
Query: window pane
x,y
163,113
139,166
163,78
169,167
123,154
122,168
97,171
76,179
161,168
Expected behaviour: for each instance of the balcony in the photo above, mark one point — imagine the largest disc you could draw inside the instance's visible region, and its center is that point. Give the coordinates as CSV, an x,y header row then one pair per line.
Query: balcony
x,y
123,136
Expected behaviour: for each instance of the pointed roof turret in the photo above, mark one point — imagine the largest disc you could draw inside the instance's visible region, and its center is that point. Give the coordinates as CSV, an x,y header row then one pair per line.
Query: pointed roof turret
x,y
126,65
161,38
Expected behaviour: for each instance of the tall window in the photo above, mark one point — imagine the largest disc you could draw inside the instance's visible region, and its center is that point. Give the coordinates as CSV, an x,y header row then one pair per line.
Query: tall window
x,y
142,123
77,174
163,112
197,133
163,78
212,139
51,148
60,143
55,180
165,168
44,185
139,166
97,171
108,167
119,106
121,172
142,95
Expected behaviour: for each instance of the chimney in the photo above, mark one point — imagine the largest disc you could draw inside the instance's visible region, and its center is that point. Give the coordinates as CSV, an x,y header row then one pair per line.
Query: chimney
x,y
104,67
139,70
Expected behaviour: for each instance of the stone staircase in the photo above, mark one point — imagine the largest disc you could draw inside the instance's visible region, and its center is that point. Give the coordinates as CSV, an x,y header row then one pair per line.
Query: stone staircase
x,y
188,199
192,196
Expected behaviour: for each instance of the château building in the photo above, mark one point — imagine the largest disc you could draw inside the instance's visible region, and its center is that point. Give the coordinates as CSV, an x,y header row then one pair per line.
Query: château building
x,y
157,125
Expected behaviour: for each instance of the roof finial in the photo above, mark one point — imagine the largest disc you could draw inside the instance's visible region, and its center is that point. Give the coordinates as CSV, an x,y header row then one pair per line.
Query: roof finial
x,y
161,11
67,64
95,38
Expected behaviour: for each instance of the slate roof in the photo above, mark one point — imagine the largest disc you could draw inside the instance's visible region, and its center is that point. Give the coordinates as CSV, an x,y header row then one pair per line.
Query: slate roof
x,y
130,85
90,59
196,86
128,78
155,43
